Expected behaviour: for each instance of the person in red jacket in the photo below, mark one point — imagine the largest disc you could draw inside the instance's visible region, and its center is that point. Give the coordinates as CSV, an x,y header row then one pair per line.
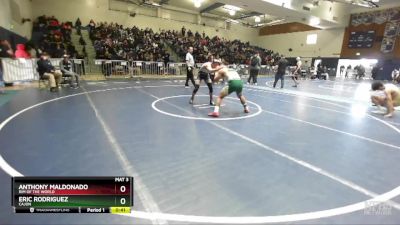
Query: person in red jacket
x,y
21,52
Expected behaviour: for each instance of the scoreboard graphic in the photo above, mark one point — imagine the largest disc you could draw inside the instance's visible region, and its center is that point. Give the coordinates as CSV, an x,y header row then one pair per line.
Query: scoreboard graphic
x,y
72,194
361,39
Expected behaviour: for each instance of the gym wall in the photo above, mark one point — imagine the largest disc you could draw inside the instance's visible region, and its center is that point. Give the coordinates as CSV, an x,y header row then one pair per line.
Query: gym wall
x,y
11,14
329,43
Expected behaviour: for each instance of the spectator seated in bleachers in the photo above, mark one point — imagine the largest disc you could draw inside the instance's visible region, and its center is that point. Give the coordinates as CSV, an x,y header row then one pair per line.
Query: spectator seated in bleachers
x,y
47,71
21,52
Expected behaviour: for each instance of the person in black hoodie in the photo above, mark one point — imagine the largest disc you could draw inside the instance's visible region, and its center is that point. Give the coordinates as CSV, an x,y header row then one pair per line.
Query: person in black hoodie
x,y
281,70
47,71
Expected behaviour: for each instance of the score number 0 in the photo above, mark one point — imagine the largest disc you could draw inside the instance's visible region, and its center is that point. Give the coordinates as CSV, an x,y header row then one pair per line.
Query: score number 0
x,y
123,190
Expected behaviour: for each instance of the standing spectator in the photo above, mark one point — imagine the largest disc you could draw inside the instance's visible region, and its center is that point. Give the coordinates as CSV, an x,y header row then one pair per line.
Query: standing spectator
x,y
5,52
255,65
190,67
312,72
297,70
281,70
324,73
78,23
183,31
360,71
47,71
21,52
92,25
348,71
375,71
166,61
341,70
320,71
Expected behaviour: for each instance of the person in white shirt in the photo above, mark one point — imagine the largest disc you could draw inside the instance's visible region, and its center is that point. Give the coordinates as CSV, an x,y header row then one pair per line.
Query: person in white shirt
x,y
204,74
190,67
296,72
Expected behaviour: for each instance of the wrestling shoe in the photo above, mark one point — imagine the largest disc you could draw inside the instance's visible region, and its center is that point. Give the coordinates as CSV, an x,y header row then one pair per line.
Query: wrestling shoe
x,y
191,101
246,110
212,103
214,114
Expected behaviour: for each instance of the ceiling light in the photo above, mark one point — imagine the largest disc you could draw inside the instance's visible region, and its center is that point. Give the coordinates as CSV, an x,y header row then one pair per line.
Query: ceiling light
x,y
315,21
257,19
259,25
197,3
232,21
275,21
231,7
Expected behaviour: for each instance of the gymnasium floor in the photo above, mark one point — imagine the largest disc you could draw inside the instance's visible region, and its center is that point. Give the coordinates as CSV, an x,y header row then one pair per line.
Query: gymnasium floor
x,y
311,155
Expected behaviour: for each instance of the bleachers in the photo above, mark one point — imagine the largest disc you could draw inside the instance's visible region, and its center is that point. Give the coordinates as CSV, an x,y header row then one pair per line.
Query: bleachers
x,y
113,41
53,37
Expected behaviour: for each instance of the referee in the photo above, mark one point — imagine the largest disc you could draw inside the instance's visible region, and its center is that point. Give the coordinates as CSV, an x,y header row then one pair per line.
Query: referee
x,y
190,67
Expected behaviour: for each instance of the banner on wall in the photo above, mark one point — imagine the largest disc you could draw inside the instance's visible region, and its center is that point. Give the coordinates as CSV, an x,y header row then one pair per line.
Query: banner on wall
x,y
388,44
367,18
391,29
378,17
355,19
394,15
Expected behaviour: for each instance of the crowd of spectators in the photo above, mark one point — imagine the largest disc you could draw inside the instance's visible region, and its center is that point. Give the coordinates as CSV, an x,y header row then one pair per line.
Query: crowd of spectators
x,y
235,51
113,41
55,37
